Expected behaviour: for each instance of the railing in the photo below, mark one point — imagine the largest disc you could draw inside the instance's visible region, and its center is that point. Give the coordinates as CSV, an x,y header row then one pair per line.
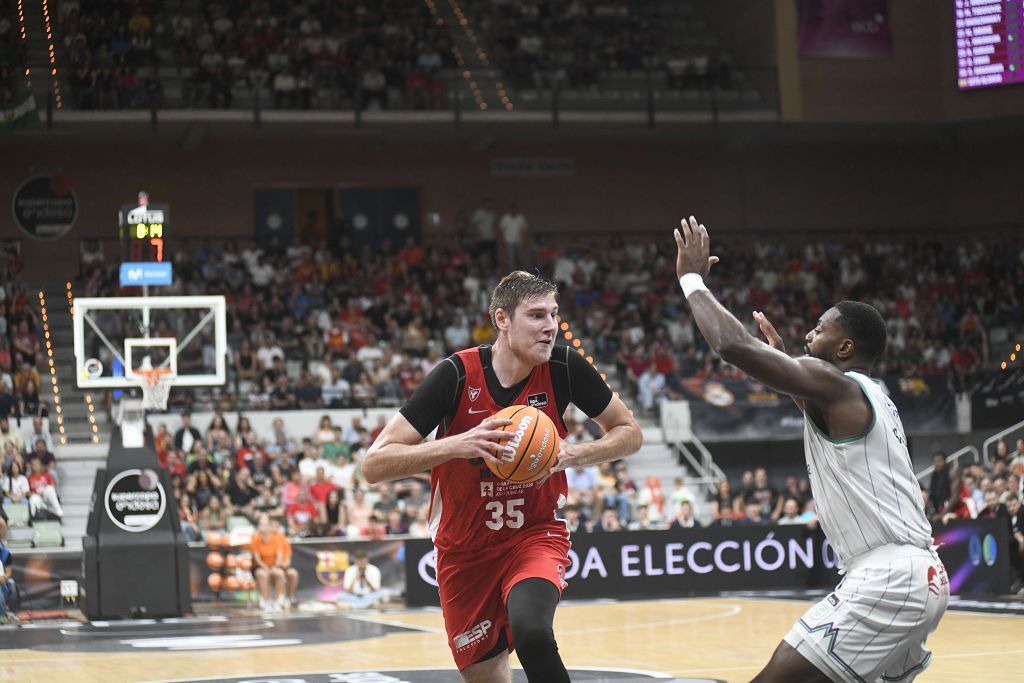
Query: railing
x,y
995,439
651,95
708,472
950,459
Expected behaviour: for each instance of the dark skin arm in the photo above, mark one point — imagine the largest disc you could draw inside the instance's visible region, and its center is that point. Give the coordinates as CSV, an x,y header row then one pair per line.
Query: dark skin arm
x,y
833,400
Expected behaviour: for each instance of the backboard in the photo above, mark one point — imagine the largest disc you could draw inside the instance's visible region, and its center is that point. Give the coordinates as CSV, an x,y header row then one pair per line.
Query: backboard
x,y
115,336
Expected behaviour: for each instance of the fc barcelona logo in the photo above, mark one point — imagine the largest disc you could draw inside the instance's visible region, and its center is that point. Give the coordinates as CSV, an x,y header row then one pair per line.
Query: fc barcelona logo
x,y
331,566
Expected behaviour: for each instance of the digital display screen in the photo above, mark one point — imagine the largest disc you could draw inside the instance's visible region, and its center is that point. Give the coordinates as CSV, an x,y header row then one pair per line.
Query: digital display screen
x,y
988,43
144,232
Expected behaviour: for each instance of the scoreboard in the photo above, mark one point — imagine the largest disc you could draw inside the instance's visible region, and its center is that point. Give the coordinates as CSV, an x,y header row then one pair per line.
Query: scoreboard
x,y
144,232
989,49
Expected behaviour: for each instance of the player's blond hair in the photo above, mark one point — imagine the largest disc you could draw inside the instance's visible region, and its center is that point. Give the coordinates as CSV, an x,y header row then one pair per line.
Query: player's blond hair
x,y
515,288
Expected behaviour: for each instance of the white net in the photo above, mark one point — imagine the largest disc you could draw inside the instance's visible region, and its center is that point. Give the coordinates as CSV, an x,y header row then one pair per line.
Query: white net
x,y
156,388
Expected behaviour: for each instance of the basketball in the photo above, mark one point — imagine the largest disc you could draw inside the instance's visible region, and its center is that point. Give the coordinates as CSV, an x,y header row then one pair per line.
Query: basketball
x,y
531,451
214,581
231,561
245,563
231,584
214,560
215,539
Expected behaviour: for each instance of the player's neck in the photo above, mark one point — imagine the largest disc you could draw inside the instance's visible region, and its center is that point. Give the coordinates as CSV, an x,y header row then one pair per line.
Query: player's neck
x,y
507,366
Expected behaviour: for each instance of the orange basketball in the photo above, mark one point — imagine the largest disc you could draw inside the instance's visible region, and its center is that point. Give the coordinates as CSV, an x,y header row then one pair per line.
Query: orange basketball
x,y
231,584
214,581
231,562
245,563
531,451
215,539
214,560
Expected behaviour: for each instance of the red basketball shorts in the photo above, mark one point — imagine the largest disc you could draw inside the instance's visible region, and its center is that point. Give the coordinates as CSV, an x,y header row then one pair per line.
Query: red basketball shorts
x,y
474,589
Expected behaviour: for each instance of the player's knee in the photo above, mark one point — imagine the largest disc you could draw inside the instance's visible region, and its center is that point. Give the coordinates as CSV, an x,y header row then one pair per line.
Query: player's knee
x,y
533,637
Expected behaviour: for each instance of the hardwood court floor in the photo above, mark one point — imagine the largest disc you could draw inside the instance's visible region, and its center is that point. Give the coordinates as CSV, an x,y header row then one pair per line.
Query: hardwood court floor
x,y
724,638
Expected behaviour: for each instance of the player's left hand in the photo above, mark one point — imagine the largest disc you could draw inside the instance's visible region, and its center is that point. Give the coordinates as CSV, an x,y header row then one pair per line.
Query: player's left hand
x,y
563,461
693,248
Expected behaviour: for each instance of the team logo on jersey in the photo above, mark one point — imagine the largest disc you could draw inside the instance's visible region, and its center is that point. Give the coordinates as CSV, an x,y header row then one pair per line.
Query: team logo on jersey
x,y
537,400
561,576
473,394
834,599
486,489
937,579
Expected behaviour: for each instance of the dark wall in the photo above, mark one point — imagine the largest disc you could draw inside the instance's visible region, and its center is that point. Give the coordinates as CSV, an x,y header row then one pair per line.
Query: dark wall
x,y
917,84
805,179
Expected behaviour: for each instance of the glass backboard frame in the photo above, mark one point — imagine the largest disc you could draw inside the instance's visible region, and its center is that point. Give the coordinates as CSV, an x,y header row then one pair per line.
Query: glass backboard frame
x,y
216,314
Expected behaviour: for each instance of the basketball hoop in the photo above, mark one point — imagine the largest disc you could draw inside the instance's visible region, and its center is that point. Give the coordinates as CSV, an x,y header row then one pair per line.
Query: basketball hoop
x,y
156,386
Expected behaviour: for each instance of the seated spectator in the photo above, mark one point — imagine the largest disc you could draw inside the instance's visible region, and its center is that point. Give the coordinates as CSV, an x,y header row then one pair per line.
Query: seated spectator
x,y
188,519
8,435
790,513
213,517
362,583
275,577
186,434
333,515
359,510
44,456
685,518
241,493
753,515
43,502
16,490
609,521
204,486
396,525
302,515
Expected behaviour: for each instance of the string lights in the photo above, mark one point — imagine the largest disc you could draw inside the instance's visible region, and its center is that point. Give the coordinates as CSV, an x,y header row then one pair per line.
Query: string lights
x,y
482,57
88,397
53,370
1013,358
578,345
24,38
55,82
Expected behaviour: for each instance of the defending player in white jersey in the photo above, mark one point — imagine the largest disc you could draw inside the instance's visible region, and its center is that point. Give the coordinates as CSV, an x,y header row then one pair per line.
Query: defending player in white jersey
x,y
874,625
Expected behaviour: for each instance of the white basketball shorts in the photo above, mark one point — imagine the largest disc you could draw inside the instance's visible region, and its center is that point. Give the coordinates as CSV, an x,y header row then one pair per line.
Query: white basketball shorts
x,y
873,627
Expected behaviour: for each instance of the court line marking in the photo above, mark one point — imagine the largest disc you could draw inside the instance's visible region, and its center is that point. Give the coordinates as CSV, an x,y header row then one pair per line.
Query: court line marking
x,y
731,611
612,669
391,622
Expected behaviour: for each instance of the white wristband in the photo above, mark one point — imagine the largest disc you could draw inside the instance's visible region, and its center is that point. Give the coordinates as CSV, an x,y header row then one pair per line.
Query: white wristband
x,y
692,282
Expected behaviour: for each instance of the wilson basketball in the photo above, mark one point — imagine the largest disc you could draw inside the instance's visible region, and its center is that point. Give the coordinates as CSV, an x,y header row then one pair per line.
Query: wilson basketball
x,y
231,584
530,452
215,582
214,560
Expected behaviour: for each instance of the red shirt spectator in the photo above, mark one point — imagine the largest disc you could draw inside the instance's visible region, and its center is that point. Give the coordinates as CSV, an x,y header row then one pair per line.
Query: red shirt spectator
x,y
38,481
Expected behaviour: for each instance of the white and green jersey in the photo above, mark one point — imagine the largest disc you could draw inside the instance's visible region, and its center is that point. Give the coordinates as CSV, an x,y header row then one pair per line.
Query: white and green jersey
x,y
864,486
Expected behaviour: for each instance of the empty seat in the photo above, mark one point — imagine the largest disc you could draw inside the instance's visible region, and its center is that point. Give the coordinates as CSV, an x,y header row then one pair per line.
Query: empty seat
x,y
47,535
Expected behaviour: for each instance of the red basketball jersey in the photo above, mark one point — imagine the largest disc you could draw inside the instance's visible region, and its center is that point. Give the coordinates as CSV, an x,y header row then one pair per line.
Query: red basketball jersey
x,y
470,508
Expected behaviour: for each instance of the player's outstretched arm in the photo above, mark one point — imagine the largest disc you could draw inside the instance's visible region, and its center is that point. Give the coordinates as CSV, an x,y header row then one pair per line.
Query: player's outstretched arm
x,y
400,451
806,378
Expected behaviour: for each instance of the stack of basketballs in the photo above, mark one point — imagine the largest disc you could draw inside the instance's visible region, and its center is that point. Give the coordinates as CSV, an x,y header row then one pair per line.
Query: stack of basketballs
x,y
230,568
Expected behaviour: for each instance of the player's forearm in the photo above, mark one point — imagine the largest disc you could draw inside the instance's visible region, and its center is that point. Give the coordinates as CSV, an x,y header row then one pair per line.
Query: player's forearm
x,y
618,442
397,461
723,332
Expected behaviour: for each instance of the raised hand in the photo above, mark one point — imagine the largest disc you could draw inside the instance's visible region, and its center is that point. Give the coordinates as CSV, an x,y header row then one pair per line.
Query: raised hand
x,y
771,335
693,248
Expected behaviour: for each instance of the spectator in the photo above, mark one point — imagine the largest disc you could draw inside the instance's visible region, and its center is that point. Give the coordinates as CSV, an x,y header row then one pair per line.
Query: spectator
x,y
609,521
186,434
753,515
188,519
302,515
276,579
685,518
939,484
790,512
333,515
513,228
43,500
35,431
9,435
16,490
362,583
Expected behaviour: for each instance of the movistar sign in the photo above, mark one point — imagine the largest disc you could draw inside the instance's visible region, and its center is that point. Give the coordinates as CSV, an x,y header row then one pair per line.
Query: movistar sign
x,y
136,274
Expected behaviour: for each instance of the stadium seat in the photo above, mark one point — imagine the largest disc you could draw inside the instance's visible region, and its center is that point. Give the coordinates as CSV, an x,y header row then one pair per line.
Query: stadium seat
x,y
19,537
17,515
237,522
47,535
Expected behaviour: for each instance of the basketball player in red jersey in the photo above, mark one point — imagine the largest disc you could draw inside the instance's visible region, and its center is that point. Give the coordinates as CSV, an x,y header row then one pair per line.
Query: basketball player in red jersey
x,y
501,552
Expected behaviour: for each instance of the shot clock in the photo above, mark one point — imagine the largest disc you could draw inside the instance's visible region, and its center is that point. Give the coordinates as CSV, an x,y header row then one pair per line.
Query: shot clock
x,y
143,229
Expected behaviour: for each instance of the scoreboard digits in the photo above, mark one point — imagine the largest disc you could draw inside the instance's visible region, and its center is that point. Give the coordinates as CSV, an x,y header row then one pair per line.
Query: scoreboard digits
x,y
143,229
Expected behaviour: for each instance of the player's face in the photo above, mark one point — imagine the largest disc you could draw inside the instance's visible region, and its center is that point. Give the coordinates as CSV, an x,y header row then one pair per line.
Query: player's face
x,y
822,341
532,329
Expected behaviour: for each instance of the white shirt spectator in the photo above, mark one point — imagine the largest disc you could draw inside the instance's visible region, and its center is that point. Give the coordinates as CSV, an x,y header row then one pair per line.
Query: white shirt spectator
x,y
582,478
512,228
263,273
483,219
266,355
362,585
